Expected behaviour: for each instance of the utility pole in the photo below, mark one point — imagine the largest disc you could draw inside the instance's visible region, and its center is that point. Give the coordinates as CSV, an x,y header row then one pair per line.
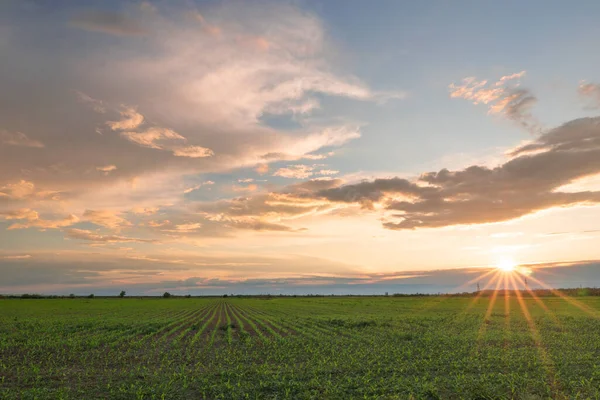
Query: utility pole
x,y
478,290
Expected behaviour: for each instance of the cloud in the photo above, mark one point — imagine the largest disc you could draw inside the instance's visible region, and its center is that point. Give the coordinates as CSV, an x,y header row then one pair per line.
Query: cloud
x,y
83,273
193,152
247,188
97,105
328,172
300,171
145,210
18,139
502,97
91,236
577,136
267,59
295,171
107,22
318,156
19,190
154,137
106,169
504,79
106,218
190,227
262,169
30,219
269,211
24,213
25,191
46,224
16,257
131,120
530,180
522,185
258,225
191,189
369,192
211,29
591,93
198,186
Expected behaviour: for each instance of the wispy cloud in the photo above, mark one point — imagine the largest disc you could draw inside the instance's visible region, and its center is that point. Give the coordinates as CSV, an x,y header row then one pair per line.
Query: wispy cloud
x,y
18,139
155,137
503,97
295,171
198,186
591,93
107,169
107,22
301,171
16,257
91,236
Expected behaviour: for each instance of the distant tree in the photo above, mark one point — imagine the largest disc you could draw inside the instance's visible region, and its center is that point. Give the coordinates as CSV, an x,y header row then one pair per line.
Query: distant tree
x,y
166,295
224,296
91,296
187,296
122,294
71,296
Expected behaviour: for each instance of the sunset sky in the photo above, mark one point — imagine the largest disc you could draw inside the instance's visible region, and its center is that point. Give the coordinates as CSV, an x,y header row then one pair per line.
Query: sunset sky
x,y
296,146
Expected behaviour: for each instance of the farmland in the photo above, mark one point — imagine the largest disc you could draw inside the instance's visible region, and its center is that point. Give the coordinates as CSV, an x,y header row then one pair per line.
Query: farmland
x,y
300,348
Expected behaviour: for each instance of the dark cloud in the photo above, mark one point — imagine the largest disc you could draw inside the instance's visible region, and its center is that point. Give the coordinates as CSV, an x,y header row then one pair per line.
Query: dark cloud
x,y
577,135
78,272
527,183
517,107
313,185
107,22
62,276
530,181
366,193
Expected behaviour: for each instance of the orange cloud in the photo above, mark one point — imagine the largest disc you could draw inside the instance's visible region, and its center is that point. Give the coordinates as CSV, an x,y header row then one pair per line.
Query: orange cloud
x,y
18,139
31,219
502,97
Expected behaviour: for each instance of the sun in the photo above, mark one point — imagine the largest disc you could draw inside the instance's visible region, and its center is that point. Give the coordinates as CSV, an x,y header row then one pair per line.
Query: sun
x,y
506,265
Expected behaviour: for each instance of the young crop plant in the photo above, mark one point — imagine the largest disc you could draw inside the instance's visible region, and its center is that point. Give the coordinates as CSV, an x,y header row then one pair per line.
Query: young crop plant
x,y
299,348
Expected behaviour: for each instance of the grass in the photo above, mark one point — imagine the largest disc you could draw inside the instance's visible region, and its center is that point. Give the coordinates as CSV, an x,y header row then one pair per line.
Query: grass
x,y
300,348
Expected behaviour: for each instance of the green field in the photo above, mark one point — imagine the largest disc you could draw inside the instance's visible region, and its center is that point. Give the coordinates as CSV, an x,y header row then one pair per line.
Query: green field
x,y
299,348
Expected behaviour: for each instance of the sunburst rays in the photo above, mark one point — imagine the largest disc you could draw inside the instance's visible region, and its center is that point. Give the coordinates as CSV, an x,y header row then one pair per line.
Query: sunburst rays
x,y
513,282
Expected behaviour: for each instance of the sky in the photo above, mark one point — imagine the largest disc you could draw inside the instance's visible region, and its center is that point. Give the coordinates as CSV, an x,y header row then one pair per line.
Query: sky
x,y
304,146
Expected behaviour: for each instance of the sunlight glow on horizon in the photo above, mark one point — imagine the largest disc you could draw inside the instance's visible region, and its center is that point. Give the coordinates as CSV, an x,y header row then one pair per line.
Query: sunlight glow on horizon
x,y
506,264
